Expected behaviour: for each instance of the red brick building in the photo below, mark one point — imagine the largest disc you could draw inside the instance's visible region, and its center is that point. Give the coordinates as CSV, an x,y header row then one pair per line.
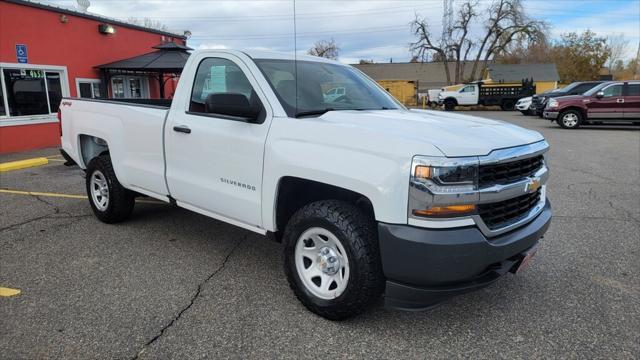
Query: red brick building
x,y
49,52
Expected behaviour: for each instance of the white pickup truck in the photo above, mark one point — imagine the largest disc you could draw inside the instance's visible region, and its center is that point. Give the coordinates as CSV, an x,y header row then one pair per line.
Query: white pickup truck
x,y
368,198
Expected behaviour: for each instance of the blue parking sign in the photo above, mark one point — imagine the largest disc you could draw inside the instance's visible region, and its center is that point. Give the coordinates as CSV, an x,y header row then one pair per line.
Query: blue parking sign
x,y
21,53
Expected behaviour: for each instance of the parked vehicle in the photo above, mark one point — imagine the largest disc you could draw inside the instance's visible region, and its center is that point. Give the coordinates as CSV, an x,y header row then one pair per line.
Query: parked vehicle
x,y
432,96
334,93
368,197
478,93
539,101
610,102
524,105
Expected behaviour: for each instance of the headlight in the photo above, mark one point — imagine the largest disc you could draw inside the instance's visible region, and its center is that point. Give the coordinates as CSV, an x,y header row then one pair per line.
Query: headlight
x,y
552,103
431,176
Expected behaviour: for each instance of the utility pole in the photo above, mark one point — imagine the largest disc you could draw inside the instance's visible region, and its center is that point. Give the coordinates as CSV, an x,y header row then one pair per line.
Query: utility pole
x,y
447,22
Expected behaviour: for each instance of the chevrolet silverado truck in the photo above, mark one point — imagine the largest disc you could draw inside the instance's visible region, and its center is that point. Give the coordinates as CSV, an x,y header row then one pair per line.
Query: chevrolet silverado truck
x,y
369,198
613,102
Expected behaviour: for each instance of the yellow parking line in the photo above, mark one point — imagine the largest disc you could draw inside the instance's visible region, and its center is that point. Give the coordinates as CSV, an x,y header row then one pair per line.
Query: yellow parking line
x,y
6,292
23,164
36,193
70,196
59,160
54,156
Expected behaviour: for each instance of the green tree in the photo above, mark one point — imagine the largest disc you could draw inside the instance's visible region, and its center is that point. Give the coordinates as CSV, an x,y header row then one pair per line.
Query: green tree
x,y
580,57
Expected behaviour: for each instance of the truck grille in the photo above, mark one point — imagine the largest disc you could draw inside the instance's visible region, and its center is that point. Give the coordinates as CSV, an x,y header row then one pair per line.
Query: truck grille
x,y
508,172
500,214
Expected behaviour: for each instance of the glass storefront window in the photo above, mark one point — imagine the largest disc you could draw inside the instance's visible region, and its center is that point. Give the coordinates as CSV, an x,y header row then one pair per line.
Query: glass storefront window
x,y
117,87
54,86
26,92
3,111
89,89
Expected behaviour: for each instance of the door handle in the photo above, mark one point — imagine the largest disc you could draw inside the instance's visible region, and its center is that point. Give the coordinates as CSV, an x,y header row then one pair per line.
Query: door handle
x,y
182,128
620,101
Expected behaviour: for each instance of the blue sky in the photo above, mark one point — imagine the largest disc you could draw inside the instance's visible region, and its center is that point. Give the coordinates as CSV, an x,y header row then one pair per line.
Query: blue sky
x,y
372,29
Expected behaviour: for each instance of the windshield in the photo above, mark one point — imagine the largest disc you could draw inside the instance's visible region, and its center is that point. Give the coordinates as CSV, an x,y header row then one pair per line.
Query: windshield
x,y
595,89
322,87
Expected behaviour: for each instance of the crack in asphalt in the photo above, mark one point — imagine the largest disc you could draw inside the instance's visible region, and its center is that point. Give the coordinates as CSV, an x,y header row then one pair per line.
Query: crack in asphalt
x,y
193,298
57,214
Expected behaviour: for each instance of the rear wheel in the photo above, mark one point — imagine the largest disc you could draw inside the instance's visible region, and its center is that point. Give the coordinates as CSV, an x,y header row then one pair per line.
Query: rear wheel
x,y
110,201
570,119
507,105
332,260
449,104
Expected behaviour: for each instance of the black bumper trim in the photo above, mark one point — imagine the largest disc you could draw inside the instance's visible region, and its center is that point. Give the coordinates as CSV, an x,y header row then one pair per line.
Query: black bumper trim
x,y
425,266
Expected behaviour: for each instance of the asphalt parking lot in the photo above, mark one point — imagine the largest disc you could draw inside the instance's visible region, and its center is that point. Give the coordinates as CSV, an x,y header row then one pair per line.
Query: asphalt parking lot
x,y
174,284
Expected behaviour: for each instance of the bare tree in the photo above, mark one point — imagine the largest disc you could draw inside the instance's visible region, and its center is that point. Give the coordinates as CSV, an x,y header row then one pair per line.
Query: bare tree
x,y
617,49
325,48
148,23
505,22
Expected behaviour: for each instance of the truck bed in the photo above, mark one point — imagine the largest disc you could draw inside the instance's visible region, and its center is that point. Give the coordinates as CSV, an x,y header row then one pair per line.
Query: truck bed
x,y
133,130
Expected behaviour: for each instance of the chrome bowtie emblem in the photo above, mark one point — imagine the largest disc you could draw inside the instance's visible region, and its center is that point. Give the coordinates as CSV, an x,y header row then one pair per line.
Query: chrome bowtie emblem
x,y
533,185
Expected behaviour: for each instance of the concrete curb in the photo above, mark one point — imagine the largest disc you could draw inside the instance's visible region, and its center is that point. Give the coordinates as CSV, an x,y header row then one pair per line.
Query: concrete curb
x,y
23,164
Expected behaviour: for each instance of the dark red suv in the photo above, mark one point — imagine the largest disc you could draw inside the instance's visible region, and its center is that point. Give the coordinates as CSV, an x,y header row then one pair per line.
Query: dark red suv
x,y
610,102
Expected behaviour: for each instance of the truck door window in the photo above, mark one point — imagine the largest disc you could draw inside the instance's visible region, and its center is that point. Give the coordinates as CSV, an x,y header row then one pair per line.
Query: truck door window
x,y
633,90
218,76
613,90
467,89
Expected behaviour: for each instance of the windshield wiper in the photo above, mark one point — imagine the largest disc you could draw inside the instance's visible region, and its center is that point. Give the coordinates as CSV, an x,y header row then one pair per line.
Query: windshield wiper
x,y
313,112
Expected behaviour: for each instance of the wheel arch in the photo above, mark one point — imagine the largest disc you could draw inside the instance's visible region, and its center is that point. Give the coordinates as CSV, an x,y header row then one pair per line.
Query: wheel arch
x,y
91,147
292,193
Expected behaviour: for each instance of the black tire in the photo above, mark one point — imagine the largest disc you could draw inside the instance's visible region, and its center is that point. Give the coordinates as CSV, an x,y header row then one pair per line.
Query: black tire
x,y
565,116
120,201
357,233
508,105
449,104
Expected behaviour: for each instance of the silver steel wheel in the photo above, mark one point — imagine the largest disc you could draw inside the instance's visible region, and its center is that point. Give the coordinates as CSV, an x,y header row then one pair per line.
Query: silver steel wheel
x,y
99,190
322,263
570,120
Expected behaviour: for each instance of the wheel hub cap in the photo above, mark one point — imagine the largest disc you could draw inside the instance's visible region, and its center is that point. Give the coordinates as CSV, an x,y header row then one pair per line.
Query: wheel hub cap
x,y
328,261
99,190
322,264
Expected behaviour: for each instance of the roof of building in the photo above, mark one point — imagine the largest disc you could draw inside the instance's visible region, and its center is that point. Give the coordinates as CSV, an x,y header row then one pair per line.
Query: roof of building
x,y
170,57
430,75
517,72
91,16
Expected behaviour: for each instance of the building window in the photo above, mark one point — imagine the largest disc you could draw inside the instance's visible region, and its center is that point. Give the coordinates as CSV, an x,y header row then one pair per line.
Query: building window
x,y
3,111
136,87
30,91
54,89
88,88
26,92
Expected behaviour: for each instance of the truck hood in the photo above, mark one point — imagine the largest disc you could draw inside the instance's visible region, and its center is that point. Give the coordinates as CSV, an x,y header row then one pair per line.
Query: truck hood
x,y
453,134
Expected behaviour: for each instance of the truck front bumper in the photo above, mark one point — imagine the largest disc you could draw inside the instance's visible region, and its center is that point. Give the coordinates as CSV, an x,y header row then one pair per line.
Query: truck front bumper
x,y
426,266
550,115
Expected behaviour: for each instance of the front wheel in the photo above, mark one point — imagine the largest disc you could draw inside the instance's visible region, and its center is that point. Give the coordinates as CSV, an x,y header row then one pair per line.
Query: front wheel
x,y
449,105
570,119
110,201
332,259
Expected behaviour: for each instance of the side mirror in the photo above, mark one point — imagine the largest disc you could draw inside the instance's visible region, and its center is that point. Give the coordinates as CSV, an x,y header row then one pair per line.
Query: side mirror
x,y
231,104
600,94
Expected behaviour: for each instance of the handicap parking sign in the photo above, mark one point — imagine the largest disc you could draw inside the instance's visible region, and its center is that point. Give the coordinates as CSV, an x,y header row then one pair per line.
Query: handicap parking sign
x,y
21,53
